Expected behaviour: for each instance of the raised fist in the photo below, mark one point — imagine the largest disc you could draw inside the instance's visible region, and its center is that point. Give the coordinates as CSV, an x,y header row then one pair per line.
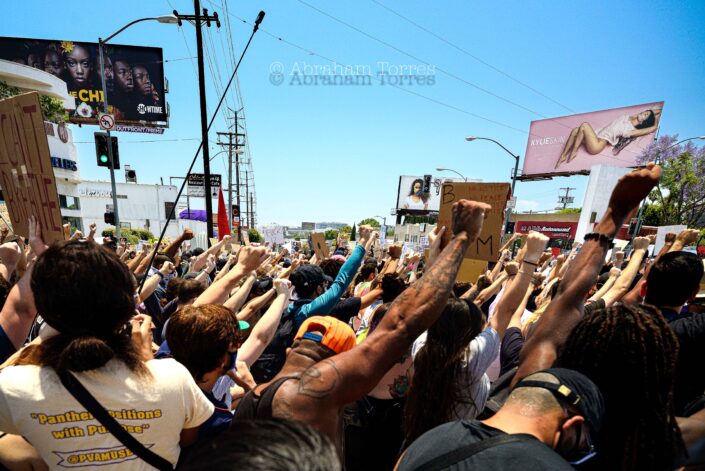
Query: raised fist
x,y
631,189
614,271
395,251
535,245
250,258
640,243
187,234
687,237
282,286
670,237
468,216
512,268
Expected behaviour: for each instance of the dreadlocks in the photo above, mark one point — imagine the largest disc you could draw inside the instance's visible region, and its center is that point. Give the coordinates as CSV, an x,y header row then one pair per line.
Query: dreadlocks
x,y
630,352
437,367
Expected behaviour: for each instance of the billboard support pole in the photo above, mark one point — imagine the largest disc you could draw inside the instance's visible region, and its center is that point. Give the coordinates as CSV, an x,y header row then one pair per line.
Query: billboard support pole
x,y
101,45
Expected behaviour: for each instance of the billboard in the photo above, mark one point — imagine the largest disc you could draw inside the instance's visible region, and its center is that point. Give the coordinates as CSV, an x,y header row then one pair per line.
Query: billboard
x,y
551,229
134,77
572,144
418,194
308,226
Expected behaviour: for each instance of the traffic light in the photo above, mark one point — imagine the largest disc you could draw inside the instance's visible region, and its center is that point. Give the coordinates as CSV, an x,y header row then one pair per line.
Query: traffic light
x,y
510,227
633,229
427,183
109,218
101,150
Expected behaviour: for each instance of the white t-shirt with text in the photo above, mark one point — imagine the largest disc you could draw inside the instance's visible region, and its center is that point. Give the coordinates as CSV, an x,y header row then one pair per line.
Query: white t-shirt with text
x,y
154,410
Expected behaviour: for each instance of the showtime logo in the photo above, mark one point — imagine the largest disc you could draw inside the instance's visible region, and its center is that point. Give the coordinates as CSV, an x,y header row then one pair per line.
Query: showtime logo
x,y
142,109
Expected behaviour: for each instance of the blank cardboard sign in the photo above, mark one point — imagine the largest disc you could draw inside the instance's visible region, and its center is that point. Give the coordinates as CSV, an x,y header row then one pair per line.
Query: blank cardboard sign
x,y
486,247
319,245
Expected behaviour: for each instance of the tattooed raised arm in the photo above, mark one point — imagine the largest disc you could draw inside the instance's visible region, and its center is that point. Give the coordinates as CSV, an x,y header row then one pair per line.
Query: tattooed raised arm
x,y
349,376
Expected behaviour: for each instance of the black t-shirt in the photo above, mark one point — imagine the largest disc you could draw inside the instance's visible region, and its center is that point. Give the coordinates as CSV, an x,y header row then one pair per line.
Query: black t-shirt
x,y
529,454
512,343
346,308
690,380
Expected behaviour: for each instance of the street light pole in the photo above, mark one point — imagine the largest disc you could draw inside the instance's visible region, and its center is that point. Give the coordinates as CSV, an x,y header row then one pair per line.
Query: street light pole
x,y
514,175
101,45
454,171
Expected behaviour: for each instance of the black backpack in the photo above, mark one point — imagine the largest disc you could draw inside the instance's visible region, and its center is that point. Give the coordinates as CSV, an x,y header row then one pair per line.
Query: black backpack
x,y
272,359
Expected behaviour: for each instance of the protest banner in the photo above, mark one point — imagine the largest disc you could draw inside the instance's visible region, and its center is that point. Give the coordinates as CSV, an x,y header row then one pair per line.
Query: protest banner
x,y
320,248
26,174
470,270
486,247
661,235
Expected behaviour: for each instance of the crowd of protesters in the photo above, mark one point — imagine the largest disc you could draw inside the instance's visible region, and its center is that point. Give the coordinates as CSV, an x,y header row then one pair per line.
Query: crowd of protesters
x,y
240,357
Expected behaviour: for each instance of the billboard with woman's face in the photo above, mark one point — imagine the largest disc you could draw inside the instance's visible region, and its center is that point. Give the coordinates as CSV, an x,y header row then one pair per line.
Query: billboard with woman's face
x,y
572,144
418,195
134,77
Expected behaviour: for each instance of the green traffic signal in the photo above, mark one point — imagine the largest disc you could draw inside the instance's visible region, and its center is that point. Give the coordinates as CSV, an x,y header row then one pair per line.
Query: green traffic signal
x,y
104,159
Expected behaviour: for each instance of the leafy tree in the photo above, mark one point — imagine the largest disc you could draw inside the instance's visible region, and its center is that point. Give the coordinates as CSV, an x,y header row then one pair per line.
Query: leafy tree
x,y
345,229
370,222
331,234
680,196
569,211
254,235
52,108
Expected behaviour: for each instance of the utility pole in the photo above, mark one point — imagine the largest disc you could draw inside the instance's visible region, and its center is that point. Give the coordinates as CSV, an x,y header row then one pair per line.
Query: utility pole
x,y
247,200
234,145
197,19
566,199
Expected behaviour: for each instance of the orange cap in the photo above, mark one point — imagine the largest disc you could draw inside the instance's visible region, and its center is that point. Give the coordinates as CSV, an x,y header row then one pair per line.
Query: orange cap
x,y
336,335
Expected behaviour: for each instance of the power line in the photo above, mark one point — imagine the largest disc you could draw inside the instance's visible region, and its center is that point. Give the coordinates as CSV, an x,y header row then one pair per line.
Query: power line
x,y
469,54
144,142
440,69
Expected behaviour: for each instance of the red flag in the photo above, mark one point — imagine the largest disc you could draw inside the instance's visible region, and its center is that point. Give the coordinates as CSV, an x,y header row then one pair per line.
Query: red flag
x,y
223,226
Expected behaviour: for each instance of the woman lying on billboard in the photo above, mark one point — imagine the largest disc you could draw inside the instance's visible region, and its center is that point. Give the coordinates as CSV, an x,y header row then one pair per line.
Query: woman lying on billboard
x,y
417,199
618,134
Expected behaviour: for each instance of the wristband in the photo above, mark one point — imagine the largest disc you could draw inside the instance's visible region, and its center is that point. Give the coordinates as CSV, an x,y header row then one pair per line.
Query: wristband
x,y
530,263
600,238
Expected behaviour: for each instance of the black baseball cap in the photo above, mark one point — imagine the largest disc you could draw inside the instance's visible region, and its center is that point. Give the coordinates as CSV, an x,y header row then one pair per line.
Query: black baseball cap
x,y
308,276
576,389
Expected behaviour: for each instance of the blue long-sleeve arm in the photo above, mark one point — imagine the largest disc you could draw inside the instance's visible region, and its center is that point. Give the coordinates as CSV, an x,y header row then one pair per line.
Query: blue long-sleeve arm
x,y
323,304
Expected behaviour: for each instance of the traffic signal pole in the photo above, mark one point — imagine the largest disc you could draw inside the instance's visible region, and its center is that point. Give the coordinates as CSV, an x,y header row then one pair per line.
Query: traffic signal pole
x,y
110,141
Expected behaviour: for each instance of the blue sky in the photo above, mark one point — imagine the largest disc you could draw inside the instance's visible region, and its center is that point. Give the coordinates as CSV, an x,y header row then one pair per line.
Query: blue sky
x,y
334,153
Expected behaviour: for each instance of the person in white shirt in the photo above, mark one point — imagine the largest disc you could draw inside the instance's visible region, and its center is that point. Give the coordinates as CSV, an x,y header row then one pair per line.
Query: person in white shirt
x,y
86,295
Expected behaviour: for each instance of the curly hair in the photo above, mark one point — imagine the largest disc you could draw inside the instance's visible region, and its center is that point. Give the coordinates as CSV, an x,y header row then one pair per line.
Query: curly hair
x,y
630,352
435,390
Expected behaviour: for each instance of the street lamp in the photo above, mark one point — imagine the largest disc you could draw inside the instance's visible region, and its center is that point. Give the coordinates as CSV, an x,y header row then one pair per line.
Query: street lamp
x,y
451,170
514,175
384,223
167,19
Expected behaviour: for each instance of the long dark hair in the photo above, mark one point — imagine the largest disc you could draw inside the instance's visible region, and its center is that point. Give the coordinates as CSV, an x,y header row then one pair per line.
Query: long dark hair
x,y
630,352
424,196
624,141
87,294
435,391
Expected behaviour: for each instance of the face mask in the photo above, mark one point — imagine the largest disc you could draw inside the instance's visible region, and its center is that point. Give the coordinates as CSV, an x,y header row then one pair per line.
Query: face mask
x,y
233,359
571,452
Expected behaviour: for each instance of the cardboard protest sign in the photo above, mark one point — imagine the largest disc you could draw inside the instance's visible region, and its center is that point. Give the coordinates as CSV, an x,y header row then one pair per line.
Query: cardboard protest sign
x,y
26,175
470,270
486,247
319,245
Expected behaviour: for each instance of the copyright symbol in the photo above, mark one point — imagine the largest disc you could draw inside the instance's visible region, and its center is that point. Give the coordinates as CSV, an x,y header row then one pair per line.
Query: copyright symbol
x,y
276,79
73,459
276,68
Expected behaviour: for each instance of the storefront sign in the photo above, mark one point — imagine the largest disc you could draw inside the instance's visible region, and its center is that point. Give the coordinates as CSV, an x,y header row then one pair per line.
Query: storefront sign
x,y
551,229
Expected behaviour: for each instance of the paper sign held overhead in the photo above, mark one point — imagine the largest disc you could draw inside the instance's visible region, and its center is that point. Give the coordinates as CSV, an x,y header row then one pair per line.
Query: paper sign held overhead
x,y
26,175
320,247
486,247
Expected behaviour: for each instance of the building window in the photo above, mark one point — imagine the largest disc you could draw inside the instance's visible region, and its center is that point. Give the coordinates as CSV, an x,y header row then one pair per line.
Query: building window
x,y
168,206
75,223
69,202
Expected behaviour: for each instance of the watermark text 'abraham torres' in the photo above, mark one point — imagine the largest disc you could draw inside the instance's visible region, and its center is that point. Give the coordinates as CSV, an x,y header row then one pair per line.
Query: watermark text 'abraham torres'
x,y
381,73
